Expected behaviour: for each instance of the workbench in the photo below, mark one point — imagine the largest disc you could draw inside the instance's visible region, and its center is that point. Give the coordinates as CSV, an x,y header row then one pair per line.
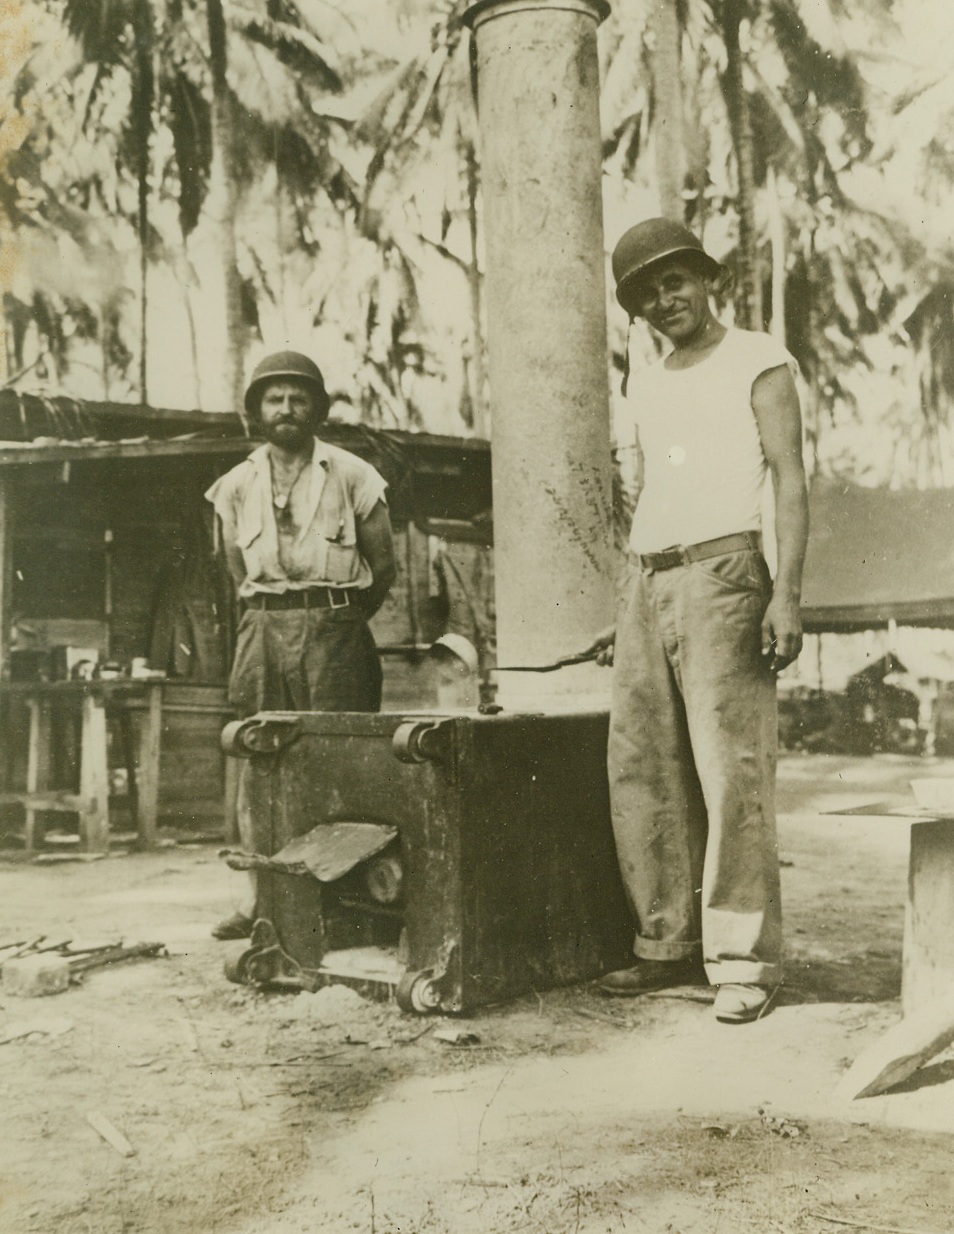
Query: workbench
x,y
98,700
927,966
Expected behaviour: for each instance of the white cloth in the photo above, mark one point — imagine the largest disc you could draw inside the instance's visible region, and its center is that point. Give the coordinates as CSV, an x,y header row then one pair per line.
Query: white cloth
x,y
704,467
337,488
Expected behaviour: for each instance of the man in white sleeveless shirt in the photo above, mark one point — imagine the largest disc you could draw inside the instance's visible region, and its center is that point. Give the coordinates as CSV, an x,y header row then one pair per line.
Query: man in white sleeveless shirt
x,y
701,633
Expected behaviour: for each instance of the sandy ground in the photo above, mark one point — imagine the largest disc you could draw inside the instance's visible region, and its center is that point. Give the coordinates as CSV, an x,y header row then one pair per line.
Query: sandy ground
x,y
249,1113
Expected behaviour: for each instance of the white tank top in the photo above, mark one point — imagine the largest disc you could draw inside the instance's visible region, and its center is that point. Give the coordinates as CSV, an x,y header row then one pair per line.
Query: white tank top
x,y
703,466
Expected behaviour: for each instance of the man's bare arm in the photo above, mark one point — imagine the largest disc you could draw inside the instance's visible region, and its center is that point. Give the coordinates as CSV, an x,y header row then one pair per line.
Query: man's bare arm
x,y
376,546
231,551
776,407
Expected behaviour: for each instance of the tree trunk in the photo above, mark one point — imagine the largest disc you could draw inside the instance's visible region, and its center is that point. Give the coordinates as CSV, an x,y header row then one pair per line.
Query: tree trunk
x,y
749,291
143,98
666,67
221,210
777,234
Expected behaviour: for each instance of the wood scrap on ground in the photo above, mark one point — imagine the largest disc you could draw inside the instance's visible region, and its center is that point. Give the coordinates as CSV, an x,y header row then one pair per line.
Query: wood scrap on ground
x,y
904,1048
864,1225
102,1126
114,955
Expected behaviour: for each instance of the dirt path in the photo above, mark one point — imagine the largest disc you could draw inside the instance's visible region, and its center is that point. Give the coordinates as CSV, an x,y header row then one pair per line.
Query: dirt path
x,y
251,1113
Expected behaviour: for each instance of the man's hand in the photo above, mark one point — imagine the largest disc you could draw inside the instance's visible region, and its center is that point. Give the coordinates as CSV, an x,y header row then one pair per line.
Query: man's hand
x,y
781,633
603,646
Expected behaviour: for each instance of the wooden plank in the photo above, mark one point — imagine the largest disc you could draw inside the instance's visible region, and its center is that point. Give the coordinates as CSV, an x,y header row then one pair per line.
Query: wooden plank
x,y
52,799
115,1139
901,1051
67,452
94,778
928,953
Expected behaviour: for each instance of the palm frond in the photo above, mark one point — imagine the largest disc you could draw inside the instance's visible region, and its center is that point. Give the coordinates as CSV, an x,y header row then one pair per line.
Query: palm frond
x,y
295,48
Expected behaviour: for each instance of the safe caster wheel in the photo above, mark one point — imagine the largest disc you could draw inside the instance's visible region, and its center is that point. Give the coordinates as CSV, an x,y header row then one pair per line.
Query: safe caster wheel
x,y
418,992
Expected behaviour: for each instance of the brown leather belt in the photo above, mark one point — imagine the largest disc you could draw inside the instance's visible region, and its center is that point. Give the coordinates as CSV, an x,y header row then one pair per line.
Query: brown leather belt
x,y
681,555
306,597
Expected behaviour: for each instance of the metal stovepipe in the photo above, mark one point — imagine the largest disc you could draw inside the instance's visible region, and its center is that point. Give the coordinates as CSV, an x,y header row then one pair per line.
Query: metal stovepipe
x,y
538,97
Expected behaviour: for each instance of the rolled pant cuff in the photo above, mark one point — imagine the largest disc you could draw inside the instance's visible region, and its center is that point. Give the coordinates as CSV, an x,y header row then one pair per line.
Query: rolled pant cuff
x,y
743,972
661,949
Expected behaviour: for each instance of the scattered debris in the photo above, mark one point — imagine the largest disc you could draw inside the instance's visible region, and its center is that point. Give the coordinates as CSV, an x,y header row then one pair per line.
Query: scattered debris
x,y
787,1128
114,955
40,967
457,1036
333,1005
20,1030
865,1225
35,976
22,948
190,1033
102,1126
718,1132
481,1181
901,1051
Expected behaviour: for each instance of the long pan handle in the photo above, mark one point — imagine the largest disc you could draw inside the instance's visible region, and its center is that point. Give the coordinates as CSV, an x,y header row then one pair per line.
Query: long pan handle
x,y
566,661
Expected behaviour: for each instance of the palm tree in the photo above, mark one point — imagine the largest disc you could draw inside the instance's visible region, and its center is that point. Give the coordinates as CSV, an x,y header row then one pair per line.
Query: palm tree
x,y
119,34
173,58
426,112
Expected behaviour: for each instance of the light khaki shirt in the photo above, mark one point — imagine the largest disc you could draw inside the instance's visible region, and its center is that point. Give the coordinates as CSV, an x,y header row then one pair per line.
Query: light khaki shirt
x,y
319,548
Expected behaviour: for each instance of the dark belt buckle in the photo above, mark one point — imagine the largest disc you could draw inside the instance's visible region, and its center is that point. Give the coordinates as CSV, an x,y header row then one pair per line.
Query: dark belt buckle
x,y
345,598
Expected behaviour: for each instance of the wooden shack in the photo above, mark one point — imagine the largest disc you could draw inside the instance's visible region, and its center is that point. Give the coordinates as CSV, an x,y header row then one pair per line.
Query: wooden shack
x,y
108,556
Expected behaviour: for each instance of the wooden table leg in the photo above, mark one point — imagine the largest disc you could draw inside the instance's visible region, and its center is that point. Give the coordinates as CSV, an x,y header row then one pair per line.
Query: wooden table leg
x,y
230,829
38,763
94,778
928,960
150,742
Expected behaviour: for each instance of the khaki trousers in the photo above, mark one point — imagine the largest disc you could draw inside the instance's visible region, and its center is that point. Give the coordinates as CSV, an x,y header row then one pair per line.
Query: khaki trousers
x,y
299,660
692,754
305,659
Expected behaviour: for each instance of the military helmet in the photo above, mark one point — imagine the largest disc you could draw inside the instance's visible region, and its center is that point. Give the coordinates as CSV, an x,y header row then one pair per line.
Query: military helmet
x,y
293,366
645,244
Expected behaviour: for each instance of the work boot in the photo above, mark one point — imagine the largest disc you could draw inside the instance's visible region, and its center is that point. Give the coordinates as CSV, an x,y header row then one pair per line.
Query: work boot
x,y
236,926
648,975
740,1004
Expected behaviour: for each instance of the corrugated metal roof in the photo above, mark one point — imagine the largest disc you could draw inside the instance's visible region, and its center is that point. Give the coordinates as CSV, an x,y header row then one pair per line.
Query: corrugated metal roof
x,y
878,555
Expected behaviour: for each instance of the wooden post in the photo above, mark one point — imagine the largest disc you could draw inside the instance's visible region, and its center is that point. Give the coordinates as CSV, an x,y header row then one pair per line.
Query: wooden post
x,y
94,777
928,963
38,763
147,786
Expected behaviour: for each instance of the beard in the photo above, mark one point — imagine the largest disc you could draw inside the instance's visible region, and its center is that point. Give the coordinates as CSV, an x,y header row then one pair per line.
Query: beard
x,y
292,435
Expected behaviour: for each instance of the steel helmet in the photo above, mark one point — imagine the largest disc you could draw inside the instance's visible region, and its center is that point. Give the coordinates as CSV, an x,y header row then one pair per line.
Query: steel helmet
x,y
290,364
645,244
